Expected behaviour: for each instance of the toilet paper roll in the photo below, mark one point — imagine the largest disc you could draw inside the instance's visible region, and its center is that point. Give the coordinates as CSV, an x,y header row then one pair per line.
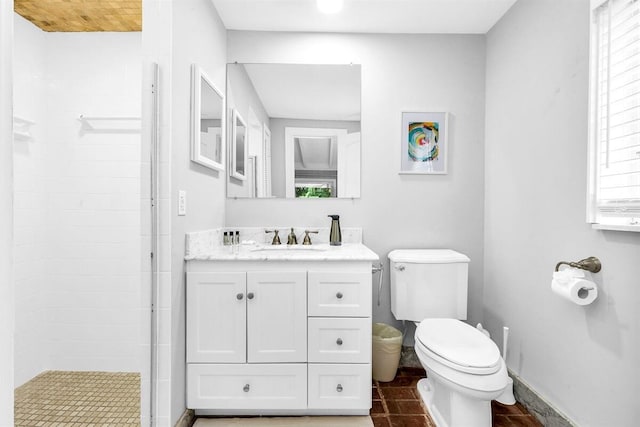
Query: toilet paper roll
x,y
578,291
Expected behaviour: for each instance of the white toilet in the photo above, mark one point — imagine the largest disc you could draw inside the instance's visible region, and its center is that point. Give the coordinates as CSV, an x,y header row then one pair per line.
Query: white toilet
x,y
464,368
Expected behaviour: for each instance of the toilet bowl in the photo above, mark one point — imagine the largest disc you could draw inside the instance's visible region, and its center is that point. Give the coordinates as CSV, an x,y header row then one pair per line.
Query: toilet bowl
x,y
464,372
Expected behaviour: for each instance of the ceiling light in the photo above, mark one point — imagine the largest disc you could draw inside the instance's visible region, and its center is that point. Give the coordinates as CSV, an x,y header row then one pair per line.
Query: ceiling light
x,y
329,6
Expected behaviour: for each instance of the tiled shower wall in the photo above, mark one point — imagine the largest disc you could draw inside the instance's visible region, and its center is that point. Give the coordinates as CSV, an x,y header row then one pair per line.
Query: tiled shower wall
x,y
29,200
78,197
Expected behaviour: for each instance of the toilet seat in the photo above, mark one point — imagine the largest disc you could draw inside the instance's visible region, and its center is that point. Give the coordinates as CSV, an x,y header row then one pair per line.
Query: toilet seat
x,y
458,346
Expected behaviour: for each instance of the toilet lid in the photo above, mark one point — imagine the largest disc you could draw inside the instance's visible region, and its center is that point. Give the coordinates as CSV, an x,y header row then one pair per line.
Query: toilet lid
x,y
458,343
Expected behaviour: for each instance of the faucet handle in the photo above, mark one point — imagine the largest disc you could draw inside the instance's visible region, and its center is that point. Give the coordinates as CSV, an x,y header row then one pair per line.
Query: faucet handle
x,y
276,238
307,238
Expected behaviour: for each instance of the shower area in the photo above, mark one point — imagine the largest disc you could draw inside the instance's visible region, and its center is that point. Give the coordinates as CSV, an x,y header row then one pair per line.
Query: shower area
x,y
77,229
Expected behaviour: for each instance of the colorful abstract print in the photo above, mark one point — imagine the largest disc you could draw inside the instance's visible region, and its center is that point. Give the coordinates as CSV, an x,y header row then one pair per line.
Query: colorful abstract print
x,y
423,141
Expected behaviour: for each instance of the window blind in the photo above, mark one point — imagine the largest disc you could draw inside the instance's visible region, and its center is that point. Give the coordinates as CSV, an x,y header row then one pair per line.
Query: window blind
x,y
616,107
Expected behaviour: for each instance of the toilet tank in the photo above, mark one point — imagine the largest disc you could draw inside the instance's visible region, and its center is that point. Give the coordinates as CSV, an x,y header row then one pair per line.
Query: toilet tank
x,y
428,283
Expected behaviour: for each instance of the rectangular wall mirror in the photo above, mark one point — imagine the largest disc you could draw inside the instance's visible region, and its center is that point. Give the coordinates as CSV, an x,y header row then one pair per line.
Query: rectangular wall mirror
x,y
207,121
238,149
302,130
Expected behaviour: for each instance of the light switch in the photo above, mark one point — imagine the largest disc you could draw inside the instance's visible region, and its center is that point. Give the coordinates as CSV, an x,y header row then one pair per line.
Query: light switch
x,y
182,203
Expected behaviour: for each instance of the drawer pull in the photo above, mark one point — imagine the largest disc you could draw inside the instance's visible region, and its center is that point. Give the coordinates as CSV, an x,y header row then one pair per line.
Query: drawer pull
x,y
339,388
240,296
339,341
246,388
250,295
339,295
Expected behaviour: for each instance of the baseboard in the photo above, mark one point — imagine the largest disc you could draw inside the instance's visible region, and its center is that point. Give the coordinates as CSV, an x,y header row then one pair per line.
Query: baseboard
x,y
409,358
187,419
537,405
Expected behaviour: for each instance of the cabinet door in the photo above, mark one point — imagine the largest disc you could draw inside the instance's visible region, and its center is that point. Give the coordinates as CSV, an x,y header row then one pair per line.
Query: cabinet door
x,y
276,317
216,318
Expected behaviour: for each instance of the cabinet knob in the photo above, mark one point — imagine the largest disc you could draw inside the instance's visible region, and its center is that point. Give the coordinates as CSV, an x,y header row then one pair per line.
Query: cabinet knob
x,y
339,341
339,388
339,295
246,388
240,296
250,295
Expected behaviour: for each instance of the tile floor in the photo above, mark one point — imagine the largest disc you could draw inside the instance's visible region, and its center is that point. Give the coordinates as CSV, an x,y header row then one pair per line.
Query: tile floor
x,y
74,399
397,404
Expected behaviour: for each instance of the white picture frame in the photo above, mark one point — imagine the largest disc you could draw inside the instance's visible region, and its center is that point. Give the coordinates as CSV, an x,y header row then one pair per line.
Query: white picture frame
x,y
424,143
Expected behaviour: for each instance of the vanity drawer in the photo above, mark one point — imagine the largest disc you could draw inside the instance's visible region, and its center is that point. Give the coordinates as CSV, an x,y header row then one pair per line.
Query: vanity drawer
x,y
252,386
340,386
339,340
339,294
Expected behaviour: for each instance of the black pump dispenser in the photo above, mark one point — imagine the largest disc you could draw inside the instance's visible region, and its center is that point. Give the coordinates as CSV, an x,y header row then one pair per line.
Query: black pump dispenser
x,y
335,235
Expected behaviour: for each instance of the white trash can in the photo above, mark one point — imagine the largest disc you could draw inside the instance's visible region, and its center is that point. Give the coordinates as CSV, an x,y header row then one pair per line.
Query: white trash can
x,y
387,346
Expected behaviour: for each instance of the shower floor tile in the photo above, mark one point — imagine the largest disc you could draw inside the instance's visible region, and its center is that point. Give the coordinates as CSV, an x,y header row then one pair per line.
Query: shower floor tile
x,y
397,404
69,398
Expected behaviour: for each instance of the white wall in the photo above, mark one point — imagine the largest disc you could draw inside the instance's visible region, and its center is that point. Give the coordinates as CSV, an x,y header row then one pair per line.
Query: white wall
x,y
6,215
583,359
77,199
395,211
30,208
198,37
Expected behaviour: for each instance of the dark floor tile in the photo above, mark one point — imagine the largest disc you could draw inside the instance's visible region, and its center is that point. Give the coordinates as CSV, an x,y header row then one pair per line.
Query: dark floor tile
x,y
395,393
405,407
515,421
408,421
380,421
401,381
411,372
499,408
430,422
377,407
523,421
375,395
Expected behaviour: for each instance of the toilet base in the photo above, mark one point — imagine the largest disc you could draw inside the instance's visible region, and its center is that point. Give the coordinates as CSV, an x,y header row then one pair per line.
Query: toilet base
x,y
449,408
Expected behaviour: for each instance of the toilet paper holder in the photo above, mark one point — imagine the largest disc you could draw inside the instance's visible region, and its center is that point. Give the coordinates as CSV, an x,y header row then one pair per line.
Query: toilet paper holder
x,y
591,264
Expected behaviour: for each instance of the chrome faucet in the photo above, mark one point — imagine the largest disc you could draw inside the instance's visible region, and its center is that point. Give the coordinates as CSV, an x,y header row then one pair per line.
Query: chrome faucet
x,y
292,239
276,238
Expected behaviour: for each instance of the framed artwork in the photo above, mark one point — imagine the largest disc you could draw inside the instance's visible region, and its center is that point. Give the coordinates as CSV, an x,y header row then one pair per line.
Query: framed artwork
x,y
424,143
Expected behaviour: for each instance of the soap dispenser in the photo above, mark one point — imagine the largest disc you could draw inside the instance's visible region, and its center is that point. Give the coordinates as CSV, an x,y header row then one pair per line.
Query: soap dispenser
x,y
335,235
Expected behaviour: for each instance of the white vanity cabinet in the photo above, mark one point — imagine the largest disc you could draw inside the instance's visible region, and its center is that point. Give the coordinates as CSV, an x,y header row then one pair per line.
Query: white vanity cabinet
x,y
279,338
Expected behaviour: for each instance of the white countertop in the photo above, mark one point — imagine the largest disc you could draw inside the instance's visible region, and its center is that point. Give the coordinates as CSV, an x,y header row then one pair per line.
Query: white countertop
x,y
261,252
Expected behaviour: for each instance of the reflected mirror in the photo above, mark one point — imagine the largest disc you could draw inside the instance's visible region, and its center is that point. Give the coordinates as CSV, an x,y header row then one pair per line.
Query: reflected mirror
x,y
207,121
238,146
302,130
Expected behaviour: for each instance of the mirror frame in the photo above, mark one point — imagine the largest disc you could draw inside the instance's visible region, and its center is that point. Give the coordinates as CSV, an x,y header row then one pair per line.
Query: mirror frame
x,y
197,76
233,172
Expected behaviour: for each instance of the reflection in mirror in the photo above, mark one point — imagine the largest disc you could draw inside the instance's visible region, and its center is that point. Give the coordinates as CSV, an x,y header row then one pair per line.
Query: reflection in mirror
x,y
322,162
238,147
207,121
302,129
